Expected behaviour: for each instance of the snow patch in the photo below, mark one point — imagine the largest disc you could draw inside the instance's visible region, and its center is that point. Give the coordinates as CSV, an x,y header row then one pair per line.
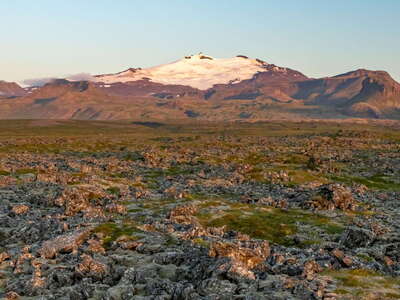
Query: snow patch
x,y
198,71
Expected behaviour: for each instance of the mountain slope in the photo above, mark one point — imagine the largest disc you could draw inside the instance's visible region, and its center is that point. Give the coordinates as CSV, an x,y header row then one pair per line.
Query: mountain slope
x,y
10,89
274,83
197,71
361,92
205,88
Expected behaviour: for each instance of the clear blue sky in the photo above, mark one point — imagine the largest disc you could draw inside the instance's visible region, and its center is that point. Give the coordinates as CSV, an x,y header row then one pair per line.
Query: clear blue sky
x,y
319,38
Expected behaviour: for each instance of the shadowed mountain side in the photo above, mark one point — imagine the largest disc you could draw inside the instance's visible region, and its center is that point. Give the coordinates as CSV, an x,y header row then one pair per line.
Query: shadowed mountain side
x,y
274,85
359,93
147,88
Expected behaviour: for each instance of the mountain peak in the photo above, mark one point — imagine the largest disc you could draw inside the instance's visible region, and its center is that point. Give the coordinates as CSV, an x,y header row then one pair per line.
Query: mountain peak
x,y
10,89
199,71
364,72
199,57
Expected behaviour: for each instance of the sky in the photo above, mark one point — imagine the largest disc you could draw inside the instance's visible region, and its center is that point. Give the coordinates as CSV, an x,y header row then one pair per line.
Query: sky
x,y
47,38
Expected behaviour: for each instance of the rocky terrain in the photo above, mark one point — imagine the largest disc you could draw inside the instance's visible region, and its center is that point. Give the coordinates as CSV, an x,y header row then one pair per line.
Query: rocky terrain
x,y
200,87
151,210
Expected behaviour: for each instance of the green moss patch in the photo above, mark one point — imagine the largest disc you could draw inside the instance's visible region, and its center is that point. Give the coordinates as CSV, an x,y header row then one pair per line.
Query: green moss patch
x,y
4,173
112,231
25,171
201,242
272,224
378,182
114,190
365,284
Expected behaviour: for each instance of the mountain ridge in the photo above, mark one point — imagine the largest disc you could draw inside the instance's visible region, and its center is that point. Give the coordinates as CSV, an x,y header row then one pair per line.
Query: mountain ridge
x,y
10,89
203,87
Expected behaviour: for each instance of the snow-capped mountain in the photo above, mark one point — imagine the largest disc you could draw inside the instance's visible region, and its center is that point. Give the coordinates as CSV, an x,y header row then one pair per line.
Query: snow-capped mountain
x,y
197,71
206,88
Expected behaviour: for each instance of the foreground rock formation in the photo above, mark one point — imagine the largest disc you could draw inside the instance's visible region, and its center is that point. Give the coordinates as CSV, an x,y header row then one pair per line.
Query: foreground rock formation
x,y
246,211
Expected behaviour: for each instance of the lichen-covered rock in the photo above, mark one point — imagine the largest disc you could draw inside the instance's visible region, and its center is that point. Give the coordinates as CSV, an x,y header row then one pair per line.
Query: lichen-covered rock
x,y
355,237
310,269
247,257
333,196
20,209
214,287
12,296
65,243
183,214
91,267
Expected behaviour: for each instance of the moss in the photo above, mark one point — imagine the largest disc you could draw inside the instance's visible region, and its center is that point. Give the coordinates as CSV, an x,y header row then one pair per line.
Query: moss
x,y
138,184
132,210
94,197
25,171
275,225
365,257
195,196
294,159
3,236
171,171
392,295
255,158
112,231
302,176
362,282
171,240
4,173
378,182
114,190
134,156
118,175
256,174
201,242
78,175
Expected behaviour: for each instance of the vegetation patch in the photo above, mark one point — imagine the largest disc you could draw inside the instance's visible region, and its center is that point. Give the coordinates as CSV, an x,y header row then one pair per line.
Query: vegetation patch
x,y
201,242
114,190
365,284
4,173
112,231
272,224
378,182
26,171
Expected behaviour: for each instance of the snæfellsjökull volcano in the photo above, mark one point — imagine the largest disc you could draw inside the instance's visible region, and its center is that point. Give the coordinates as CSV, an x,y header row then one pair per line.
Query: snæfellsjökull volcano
x,y
206,88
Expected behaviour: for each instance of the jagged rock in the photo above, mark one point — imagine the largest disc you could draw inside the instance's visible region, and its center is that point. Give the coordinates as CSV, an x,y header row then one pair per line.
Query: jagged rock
x,y
12,296
391,250
20,209
247,256
215,287
95,246
183,214
91,267
333,196
120,292
355,237
4,256
310,269
66,243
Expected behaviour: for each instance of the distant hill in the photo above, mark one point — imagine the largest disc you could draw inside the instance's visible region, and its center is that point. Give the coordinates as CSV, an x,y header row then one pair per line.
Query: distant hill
x,y
10,89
